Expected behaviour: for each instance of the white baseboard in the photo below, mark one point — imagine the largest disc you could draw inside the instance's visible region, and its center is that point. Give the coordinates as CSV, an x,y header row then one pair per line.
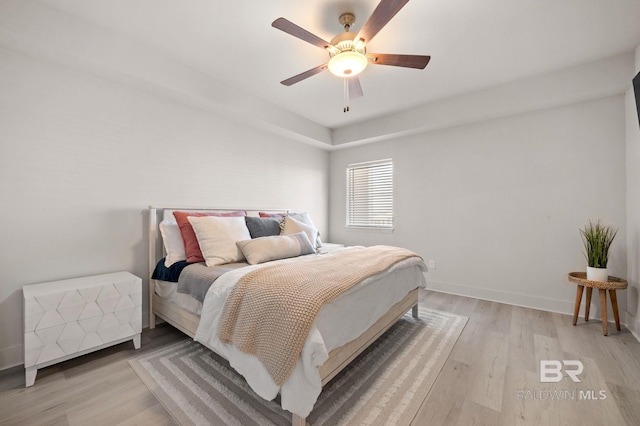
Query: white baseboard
x,y
517,299
529,301
11,357
633,325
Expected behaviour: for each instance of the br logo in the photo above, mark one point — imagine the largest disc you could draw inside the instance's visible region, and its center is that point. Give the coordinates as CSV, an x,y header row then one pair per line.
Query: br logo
x,y
551,371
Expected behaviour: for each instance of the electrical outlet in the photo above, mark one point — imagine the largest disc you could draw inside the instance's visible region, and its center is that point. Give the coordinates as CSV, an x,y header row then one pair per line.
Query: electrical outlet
x,y
432,264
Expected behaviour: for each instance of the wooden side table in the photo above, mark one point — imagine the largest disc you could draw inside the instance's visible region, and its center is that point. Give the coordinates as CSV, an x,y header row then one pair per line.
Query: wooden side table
x,y
613,284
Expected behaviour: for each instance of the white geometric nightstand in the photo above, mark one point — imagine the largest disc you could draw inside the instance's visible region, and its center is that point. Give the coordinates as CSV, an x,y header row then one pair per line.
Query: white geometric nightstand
x,y
65,319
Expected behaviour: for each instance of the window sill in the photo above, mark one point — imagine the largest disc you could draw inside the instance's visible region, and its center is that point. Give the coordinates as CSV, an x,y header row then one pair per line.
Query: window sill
x,y
369,229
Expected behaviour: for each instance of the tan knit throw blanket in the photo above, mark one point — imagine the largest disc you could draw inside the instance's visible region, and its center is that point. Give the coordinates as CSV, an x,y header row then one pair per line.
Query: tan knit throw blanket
x,y
270,311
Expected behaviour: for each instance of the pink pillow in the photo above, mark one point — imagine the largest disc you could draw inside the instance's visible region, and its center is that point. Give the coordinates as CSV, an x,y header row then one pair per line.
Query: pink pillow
x,y
263,214
191,246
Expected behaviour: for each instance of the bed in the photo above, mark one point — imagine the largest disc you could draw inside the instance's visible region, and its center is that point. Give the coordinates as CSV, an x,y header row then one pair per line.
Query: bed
x,y
330,347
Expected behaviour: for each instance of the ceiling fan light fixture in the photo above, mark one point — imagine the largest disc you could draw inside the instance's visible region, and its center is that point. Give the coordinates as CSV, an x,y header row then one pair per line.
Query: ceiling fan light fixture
x,y
347,64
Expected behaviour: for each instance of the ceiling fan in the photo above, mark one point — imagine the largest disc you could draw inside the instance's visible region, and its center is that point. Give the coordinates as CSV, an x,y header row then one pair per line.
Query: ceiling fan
x,y
347,51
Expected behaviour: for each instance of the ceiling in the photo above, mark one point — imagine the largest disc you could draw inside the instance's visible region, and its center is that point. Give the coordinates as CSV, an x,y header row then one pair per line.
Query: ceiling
x,y
473,45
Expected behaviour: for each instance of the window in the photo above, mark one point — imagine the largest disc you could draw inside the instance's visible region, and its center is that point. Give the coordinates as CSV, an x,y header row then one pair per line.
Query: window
x,y
370,194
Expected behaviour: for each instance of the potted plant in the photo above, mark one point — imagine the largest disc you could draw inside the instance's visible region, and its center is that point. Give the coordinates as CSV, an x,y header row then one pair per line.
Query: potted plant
x,y
597,239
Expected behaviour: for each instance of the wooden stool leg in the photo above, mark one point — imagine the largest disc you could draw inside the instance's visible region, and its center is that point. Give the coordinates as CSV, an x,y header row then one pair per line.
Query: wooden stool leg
x,y
614,305
576,309
586,310
603,304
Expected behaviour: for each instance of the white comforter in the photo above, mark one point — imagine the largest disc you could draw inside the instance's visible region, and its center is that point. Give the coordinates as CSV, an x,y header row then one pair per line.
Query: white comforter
x,y
338,322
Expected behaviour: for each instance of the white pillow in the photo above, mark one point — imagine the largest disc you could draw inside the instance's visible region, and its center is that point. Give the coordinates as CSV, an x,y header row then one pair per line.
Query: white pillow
x,y
173,242
306,219
264,249
292,226
217,238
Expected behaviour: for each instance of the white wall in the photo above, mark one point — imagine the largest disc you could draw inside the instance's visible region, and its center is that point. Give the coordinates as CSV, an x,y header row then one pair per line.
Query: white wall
x,y
633,207
498,204
82,157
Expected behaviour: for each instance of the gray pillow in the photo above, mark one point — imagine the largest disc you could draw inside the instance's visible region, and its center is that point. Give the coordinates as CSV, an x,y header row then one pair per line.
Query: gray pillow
x,y
262,226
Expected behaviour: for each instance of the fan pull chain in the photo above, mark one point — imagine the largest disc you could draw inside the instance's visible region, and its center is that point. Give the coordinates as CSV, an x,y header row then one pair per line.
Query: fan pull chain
x,y
346,95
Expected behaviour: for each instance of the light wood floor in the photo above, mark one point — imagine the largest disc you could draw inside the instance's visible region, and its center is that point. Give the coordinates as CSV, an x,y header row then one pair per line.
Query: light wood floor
x,y
493,366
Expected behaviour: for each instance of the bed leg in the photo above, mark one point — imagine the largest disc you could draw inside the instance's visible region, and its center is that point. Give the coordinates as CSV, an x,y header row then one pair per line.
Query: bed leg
x,y
297,420
152,321
414,311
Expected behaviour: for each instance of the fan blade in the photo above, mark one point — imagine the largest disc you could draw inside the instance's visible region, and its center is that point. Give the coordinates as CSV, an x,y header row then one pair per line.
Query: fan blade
x,y
309,73
407,61
299,32
383,13
355,89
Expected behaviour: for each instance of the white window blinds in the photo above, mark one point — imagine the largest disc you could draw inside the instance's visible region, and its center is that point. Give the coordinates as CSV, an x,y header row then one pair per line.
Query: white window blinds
x,y
370,194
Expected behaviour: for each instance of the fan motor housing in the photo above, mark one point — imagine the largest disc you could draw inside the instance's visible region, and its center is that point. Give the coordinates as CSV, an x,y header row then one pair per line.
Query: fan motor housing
x,y
344,42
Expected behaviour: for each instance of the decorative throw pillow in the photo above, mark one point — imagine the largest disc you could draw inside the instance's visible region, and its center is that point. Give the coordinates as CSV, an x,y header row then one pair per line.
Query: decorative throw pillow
x,y
262,226
302,217
173,242
278,215
292,226
217,237
305,218
264,249
191,246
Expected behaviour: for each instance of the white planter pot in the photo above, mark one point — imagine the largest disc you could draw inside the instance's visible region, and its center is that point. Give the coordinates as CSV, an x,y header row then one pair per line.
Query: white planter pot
x,y
597,274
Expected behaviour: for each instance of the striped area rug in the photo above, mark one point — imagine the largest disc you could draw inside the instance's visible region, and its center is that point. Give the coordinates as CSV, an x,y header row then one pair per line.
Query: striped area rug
x,y
386,384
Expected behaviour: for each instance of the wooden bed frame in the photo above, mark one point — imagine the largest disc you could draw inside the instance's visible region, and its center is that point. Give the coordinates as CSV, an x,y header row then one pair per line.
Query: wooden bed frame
x,y
187,322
